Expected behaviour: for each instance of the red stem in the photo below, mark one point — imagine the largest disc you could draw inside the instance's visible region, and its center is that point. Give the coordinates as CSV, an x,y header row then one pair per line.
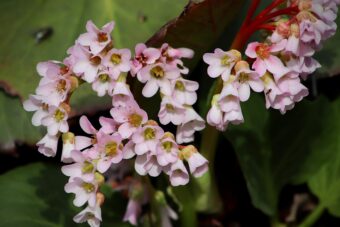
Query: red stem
x,y
270,8
247,30
251,11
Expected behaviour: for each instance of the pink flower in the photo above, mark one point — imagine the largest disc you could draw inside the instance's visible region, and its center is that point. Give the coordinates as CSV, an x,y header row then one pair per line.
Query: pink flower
x,y
133,210
192,123
157,76
130,118
84,191
96,39
55,92
146,138
48,145
293,87
198,165
178,174
229,103
68,146
167,150
83,167
103,84
265,58
221,62
276,98
144,56
171,111
303,65
215,116
247,79
108,125
82,142
172,56
110,148
121,94
147,164
86,64
166,214
91,215
117,61
56,120
35,103
184,91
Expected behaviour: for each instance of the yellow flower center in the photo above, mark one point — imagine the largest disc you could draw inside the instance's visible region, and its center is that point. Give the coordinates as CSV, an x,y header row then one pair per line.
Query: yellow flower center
x,y
59,115
149,134
116,59
170,107
157,72
179,86
87,167
104,78
243,77
225,61
88,187
135,119
167,145
111,149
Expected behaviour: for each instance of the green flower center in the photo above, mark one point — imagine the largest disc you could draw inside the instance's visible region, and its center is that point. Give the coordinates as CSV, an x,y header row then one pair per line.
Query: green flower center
x,y
87,167
179,86
88,187
167,145
104,78
225,61
149,134
116,59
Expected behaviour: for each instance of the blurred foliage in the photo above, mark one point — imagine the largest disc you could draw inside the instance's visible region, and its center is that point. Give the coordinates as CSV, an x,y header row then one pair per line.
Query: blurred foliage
x,y
274,150
20,51
37,198
15,123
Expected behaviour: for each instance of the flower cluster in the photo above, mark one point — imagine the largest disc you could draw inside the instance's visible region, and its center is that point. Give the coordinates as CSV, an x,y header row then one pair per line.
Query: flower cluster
x,y
128,133
162,69
277,65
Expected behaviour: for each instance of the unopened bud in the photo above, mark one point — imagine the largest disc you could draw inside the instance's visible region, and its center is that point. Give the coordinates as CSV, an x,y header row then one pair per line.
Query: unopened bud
x,y
100,198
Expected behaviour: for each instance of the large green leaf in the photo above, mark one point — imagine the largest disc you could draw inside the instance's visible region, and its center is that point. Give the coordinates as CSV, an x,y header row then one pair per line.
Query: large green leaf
x,y
274,150
135,21
326,182
15,123
34,196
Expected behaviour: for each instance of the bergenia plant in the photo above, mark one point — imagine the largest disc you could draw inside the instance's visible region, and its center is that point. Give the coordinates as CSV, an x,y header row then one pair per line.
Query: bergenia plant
x,y
129,140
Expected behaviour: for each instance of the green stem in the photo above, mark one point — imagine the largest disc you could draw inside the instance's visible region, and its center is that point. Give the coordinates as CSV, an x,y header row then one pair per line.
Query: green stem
x,y
313,217
207,195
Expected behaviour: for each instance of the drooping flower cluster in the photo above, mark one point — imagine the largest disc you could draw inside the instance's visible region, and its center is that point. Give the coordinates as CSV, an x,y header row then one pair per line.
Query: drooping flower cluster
x,y
162,69
128,133
277,64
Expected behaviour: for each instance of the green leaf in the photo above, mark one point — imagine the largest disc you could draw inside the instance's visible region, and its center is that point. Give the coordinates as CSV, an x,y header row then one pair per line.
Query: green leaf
x,y
135,21
326,182
34,196
15,123
274,150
